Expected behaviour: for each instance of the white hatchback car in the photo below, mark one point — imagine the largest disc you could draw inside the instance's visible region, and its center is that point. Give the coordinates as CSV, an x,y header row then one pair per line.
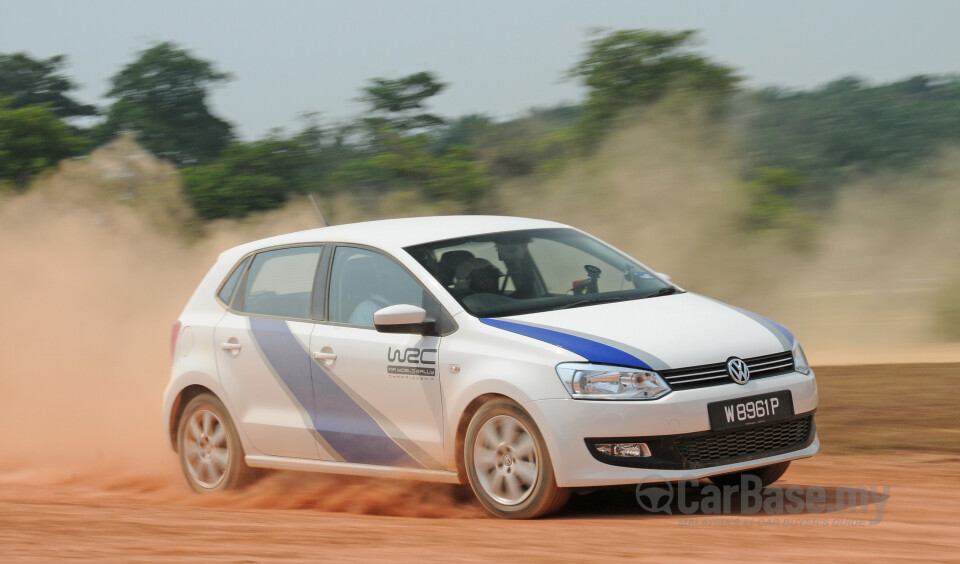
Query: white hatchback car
x,y
523,357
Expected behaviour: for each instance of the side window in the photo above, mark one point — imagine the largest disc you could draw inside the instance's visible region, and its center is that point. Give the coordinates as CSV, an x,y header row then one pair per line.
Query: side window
x,y
281,282
230,286
364,281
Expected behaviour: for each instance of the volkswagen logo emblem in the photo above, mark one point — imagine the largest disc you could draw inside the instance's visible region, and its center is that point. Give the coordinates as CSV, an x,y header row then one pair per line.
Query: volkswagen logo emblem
x,y
738,370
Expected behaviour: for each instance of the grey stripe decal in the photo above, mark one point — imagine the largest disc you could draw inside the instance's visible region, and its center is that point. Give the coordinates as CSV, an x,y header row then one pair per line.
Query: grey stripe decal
x,y
779,331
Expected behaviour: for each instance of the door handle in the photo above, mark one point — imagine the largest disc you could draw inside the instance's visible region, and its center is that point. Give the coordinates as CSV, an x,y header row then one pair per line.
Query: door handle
x,y
231,346
320,355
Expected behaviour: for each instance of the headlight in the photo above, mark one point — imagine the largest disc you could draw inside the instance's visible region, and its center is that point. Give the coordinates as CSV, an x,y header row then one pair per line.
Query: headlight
x,y
799,359
597,381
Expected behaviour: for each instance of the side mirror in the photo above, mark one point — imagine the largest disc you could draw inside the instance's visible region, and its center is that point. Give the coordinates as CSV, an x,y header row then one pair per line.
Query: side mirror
x,y
403,318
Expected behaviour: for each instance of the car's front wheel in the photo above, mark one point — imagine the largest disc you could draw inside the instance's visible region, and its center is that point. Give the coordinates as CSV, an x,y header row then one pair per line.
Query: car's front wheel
x,y
211,456
507,463
765,474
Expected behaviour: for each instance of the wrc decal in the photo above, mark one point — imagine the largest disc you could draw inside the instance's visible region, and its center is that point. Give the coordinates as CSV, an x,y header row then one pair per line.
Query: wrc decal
x,y
412,355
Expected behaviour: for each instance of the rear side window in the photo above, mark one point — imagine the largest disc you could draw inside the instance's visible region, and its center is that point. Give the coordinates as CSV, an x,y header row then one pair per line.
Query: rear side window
x,y
230,286
281,282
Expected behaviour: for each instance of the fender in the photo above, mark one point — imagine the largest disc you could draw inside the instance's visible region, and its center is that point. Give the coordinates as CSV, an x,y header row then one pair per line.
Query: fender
x,y
171,395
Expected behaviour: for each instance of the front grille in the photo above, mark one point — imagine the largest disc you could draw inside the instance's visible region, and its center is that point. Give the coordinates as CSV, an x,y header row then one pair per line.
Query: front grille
x,y
716,374
713,449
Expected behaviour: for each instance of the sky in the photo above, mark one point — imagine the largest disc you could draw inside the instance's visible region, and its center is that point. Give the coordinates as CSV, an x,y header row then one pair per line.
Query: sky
x,y
498,57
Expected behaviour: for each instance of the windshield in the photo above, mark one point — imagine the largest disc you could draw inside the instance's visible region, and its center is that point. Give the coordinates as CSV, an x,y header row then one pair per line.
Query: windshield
x,y
515,272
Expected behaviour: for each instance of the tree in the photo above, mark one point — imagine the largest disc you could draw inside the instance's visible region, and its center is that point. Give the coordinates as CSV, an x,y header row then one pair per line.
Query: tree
x,y
162,96
770,193
399,103
215,192
406,163
32,139
464,130
850,126
33,82
459,177
640,66
253,176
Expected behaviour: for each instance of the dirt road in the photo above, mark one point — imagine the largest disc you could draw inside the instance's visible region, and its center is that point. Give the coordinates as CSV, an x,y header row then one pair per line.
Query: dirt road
x,y
293,518
904,466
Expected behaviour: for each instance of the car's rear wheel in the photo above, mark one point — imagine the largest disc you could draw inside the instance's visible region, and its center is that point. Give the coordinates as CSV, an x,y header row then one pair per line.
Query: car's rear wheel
x,y
211,456
507,463
766,474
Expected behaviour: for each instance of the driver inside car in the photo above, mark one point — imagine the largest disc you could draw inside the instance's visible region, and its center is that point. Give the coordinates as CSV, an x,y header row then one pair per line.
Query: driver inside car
x,y
478,282
478,275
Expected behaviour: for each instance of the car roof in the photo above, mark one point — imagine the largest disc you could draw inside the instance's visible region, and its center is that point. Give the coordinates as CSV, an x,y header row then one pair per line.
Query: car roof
x,y
394,234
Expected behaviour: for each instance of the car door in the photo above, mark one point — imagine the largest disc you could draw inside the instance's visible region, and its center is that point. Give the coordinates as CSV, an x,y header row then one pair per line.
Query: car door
x,y
378,394
262,347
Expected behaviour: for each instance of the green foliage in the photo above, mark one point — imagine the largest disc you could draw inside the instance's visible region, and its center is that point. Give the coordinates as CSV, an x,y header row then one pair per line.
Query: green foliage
x,y
465,130
399,103
286,159
527,144
250,177
849,126
436,163
628,67
770,208
215,192
518,148
34,82
406,163
947,311
799,144
32,139
456,176
162,97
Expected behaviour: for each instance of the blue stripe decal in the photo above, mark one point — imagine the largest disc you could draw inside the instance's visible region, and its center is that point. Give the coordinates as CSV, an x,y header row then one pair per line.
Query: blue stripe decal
x,y
587,348
344,424
287,358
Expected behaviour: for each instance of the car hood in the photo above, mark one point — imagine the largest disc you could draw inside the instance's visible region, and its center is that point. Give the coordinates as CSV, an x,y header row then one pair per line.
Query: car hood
x,y
664,332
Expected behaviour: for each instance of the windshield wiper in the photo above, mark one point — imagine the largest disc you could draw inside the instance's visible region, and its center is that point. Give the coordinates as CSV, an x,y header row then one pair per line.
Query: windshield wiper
x,y
661,292
602,299
598,300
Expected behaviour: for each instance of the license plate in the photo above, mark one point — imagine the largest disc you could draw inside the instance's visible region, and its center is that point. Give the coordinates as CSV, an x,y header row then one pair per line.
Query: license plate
x,y
753,410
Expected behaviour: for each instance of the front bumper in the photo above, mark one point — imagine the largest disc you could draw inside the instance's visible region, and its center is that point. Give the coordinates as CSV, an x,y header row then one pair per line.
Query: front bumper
x,y
674,427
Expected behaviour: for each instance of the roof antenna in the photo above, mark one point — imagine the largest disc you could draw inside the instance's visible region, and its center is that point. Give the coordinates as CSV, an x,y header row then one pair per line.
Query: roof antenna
x,y
316,206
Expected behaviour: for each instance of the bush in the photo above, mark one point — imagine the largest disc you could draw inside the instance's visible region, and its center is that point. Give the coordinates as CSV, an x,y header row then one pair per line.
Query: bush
x,y
947,311
215,193
33,139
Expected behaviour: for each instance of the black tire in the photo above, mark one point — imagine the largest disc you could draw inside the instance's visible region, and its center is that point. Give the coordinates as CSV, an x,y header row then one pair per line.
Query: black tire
x,y
198,454
766,474
511,462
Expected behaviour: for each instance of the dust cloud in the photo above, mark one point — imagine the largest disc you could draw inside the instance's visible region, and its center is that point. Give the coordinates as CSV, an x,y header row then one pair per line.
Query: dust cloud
x,y
94,275
666,188
100,257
